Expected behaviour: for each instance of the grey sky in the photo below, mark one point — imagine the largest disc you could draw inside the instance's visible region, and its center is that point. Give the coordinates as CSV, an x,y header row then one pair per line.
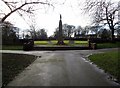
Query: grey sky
x,y
48,18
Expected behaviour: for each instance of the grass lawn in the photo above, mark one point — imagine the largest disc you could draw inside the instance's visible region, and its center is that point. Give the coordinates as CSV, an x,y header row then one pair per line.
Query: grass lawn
x,y
81,42
65,41
54,42
12,47
109,61
108,45
41,42
12,64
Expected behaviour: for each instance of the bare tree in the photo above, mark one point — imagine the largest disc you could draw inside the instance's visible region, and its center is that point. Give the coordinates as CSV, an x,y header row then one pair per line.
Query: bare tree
x,y
103,11
77,31
9,33
68,30
33,26
26,6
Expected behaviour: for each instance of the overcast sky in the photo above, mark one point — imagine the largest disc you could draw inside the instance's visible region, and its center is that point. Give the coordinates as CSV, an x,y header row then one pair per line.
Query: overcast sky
x,y
49,18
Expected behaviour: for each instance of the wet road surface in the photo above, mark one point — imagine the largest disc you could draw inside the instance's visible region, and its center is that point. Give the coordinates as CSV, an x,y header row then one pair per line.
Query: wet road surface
x,y
63,68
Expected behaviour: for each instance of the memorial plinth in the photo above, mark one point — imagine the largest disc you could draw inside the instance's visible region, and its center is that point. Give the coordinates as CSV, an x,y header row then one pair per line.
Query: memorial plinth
x,y
60,34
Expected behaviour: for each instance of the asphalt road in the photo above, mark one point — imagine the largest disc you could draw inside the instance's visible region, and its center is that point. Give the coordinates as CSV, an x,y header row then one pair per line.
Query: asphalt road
x,y
63,68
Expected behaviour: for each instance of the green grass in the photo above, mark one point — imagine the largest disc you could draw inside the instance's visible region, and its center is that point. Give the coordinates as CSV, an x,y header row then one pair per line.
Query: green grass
x,y
109,61
13,64
81,42
54,42
65,41
41,42
108,45
12,47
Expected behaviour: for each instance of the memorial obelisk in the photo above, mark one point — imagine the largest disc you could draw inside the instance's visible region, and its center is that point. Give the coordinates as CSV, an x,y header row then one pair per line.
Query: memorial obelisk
x,y
60,34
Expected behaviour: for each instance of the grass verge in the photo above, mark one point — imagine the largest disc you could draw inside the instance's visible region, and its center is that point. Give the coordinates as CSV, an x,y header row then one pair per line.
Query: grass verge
x,y
108,61
12,47
108,45
13,64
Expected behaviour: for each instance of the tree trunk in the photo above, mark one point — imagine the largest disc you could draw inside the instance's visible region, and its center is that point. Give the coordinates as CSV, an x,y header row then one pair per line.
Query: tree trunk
x,y
112,34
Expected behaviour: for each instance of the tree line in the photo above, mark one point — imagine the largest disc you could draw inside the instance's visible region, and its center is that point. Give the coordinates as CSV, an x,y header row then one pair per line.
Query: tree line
x,y
11,34
103,13
84,32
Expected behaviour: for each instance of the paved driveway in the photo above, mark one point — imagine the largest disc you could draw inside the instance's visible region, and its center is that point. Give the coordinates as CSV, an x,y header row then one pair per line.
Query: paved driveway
x,y
63,68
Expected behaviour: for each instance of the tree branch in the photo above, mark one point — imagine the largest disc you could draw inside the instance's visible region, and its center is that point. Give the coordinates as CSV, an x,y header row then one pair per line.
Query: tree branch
x,y
18,8
7,5
116,23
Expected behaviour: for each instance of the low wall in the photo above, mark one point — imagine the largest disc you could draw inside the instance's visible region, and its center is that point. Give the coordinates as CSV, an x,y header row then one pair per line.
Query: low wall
x,y
95,40
60,48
